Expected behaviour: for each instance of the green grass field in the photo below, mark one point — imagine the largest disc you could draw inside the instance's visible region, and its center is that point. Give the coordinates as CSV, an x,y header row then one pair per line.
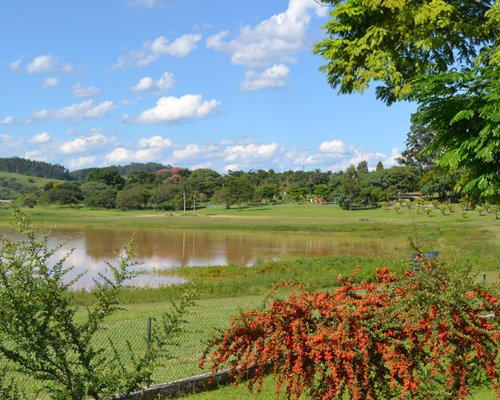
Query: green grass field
x,y
14,185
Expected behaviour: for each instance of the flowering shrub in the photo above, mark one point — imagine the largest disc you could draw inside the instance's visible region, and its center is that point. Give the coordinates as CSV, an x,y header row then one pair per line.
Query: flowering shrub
x,y
418,336
174,174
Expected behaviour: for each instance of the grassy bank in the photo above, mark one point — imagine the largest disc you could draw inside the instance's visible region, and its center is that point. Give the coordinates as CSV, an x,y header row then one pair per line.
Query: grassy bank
x,y
236,281
304,218
465,235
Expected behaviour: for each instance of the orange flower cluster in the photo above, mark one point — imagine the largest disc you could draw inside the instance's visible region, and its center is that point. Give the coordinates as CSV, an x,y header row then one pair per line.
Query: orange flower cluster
x,y
419,336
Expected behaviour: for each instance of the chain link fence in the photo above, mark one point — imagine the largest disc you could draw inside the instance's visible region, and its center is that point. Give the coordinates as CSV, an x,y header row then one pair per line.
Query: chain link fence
x,y
185,350
128,331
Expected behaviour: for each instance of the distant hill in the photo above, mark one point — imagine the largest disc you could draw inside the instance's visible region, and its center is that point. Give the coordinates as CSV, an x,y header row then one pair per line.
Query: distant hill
x,y
14,185
124,170
39,169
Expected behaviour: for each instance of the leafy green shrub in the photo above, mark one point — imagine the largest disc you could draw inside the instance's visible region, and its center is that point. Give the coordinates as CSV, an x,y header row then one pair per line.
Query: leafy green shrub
x,y
43,339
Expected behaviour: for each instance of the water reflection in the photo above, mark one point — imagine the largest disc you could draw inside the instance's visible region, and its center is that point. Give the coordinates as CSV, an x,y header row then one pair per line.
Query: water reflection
x,y
170,248
160,248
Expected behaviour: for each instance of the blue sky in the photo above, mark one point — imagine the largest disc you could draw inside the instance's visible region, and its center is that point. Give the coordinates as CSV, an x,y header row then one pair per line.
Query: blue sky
x,y
218,84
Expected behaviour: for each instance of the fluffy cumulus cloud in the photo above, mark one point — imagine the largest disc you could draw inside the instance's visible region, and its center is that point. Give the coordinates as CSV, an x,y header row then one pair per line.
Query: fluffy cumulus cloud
x,y
35,155
248,152
41,138
85,91
155,142
161,46
273,40
195,151
172,109
96,149
392,159
272,78
84,143
10,120
76,112
335,155
150,149
49,82
148,84
81,162
47,63
332,147
121,154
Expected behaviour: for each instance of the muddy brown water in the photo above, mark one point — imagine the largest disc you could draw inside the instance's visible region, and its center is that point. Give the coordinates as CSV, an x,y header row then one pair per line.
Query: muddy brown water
x,y
163,248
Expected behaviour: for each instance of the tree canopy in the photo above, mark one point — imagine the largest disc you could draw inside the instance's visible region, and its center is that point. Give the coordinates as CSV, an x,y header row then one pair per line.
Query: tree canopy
x,y
40,169
444,55
395,42
463,108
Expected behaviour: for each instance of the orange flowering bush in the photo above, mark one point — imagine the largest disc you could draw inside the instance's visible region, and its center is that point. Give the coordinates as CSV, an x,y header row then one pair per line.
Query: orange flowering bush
x,y
430,335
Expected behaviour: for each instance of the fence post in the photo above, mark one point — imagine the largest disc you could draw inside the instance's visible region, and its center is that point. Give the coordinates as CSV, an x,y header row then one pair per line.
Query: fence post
x,y
150,339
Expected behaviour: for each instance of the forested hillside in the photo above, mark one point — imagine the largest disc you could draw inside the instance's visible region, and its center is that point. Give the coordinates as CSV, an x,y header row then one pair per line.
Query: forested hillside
x,y
39,169
124,170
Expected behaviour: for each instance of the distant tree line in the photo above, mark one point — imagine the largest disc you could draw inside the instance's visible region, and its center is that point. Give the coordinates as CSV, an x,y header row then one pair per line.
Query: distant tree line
x,y
40,169
158,186
124,170
177,188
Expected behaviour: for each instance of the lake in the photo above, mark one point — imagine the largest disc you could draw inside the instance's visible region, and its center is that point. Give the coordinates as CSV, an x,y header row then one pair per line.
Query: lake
x,y
169,248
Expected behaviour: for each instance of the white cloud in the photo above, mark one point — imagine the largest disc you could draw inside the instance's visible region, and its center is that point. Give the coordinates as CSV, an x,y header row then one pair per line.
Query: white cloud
x,y
47,63
10,120
82,162
150,149
276,39
392,160
232,167
50,82
334,146
121,154
83,143
250,151
76,112
82,91
148,84
358,155
172,109
35,155
335,155
194,150
40,138
118,155
272,78
161,46
155,142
